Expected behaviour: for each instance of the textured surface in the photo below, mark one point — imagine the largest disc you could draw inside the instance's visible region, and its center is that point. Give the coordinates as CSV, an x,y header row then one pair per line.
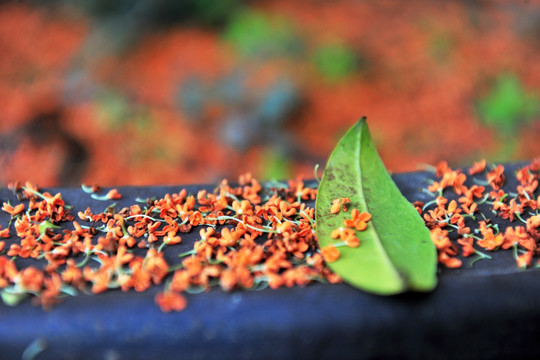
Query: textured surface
x,y
488,311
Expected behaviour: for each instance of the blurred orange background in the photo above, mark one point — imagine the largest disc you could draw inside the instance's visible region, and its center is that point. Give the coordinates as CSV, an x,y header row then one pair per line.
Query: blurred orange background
x,y
168,92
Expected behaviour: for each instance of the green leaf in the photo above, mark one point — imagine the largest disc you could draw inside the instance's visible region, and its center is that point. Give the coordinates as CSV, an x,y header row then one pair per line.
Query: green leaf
x,y
396,253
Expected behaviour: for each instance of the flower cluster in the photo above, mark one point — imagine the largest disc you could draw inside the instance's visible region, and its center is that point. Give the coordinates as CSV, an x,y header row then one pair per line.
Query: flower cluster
x,y
347,233
456,209
250,237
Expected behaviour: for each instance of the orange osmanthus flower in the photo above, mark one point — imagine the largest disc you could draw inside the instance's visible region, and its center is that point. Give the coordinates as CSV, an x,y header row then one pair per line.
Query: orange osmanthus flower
x,y
336,206
13,210
155,265
170,301
347,235
449,261
140,278
478,167
352,241
330,253
496,177
342,233
4,233
524,259
359,220
339,204
490,240
440,239
466,246
113,194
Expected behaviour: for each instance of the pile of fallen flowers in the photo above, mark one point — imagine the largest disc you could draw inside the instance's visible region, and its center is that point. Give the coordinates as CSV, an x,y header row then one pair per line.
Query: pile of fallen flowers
x,y
250,236
462,218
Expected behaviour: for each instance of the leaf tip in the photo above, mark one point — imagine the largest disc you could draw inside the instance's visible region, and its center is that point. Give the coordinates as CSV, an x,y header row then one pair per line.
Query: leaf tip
x,y
362,121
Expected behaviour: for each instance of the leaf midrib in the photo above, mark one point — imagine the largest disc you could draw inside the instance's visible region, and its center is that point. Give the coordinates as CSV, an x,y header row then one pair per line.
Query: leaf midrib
x,y
371,228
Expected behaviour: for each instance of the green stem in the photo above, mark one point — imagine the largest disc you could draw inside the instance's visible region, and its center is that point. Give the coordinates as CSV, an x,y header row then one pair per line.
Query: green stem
x,y
175,267
479,256
428,204
84,261
519,217
308,217
480,182
232,196
315,173
35,192
190,252
143,216
160,248
266,229
483,200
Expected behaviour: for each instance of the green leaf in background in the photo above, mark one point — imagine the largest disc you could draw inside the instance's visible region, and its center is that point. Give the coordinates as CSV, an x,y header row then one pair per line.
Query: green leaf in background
x,y
396,253
335,61
277,165
440,47
114,109
508,105
255,34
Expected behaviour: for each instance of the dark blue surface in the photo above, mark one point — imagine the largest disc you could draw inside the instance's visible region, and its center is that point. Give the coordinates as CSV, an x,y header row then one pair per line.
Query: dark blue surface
x,y
475,317
486,312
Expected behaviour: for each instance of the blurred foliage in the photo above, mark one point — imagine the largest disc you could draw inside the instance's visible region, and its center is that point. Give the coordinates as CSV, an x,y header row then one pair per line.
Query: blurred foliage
x,y
116,112
508,106
118,25
114,109
440,47
280,100
335,61
157,13
277,165
257,34
147,92
191,97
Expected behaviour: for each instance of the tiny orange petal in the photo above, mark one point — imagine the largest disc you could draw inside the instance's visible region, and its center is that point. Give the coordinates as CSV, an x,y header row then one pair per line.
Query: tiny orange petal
x,y
330,253
336,233
352,241
360,226
171,301
336,206
113,194
365,216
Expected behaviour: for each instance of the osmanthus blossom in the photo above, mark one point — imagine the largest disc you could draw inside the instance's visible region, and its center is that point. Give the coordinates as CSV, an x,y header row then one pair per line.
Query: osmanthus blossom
x,y
359,220
171,301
